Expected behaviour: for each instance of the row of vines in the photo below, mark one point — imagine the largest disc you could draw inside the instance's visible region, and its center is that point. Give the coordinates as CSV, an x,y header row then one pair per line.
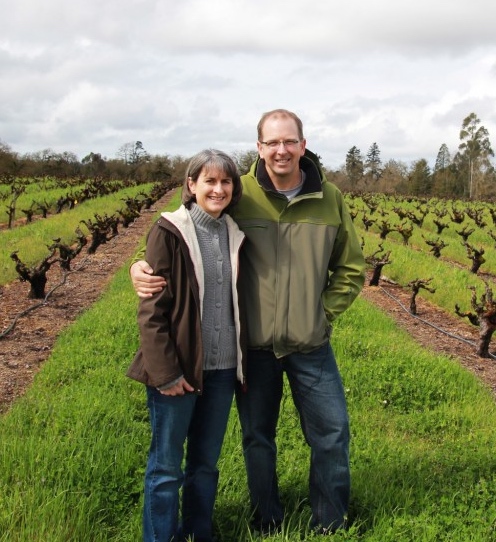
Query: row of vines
x,y
26,199
441,249
68,219
444,250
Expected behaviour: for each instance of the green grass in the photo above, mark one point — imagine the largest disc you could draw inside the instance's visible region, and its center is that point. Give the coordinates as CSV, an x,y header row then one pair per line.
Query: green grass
x,y
73,449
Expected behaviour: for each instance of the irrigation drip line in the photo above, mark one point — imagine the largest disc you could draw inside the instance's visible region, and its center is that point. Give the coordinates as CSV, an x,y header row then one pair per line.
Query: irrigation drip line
x,y
447,333
18,316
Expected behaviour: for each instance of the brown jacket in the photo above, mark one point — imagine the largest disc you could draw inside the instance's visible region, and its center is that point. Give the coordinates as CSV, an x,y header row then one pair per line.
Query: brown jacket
x,y
170,320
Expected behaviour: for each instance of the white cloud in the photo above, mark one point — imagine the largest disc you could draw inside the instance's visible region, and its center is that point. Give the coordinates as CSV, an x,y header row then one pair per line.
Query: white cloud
x,y
179,76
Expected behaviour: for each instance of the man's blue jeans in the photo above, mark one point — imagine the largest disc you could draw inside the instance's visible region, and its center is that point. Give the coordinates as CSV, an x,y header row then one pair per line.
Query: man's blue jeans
x,y
201,420
318,395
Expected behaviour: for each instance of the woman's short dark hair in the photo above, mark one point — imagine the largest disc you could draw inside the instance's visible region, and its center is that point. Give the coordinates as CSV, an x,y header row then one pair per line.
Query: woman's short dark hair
x,y
211,158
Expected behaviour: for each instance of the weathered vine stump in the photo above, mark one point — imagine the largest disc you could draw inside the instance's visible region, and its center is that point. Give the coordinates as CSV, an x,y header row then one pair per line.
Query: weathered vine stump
x,y
66,252
465,233
102,229
377,262
385,229
406,231
35,275
416,286
436,245
484,316
440,226
477,257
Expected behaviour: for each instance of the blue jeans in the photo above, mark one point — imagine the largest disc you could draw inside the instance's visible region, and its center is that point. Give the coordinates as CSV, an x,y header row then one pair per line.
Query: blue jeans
x,y
318,395
200,420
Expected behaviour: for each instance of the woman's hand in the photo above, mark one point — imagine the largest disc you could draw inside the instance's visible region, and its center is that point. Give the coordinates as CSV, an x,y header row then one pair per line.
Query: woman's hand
x,y
179,388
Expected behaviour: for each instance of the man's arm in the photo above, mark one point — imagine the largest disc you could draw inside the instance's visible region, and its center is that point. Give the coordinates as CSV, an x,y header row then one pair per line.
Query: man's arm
x,y
145,283
347,267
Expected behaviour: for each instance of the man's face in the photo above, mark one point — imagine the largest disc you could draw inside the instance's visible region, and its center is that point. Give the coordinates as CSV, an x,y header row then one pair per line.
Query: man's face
x,y
281,160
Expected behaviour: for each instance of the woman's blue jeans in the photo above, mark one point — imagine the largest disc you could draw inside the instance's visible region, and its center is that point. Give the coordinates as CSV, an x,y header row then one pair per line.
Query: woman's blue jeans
x,y
199,420
319,397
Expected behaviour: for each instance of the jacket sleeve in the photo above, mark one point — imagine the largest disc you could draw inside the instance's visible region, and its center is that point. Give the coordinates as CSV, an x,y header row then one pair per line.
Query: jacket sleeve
x,y
346,269
158,351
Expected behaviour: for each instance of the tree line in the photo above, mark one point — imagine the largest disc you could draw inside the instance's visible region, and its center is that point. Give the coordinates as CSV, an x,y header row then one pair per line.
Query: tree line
x,y
466,174
132,163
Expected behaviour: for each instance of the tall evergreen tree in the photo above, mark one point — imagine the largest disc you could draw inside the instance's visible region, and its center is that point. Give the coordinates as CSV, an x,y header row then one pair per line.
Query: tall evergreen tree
x,y
420,178
373,164
443,177
354,166
443,160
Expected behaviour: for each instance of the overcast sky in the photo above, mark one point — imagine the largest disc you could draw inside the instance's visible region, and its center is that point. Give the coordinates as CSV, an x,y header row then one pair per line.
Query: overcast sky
x,y
183,75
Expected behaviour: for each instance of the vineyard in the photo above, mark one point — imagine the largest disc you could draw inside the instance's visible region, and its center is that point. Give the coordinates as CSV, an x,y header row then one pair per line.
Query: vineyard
x,y
29,326
442,251
73,441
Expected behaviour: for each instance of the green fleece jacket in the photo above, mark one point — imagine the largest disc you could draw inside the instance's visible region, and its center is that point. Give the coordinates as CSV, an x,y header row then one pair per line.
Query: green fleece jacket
x,y
302,261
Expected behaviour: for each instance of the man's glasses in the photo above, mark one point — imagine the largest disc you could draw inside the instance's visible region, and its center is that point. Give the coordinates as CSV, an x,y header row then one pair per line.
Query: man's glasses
x,y
287,143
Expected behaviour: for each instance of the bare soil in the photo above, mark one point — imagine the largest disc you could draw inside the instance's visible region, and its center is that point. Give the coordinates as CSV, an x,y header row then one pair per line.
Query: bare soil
x,y
24,349
435,329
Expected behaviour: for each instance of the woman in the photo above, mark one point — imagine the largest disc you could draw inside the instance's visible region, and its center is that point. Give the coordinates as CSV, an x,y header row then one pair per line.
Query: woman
x,y
191,353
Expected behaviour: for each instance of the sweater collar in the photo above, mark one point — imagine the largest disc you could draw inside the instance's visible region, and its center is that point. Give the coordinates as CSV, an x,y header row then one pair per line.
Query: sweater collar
x,y
203,220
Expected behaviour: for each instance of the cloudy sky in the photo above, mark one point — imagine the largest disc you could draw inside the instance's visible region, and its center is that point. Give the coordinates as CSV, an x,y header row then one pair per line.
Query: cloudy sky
x,y
179,76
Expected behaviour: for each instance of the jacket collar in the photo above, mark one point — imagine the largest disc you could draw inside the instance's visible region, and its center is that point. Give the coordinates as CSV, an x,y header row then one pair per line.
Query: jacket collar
x,y
313,175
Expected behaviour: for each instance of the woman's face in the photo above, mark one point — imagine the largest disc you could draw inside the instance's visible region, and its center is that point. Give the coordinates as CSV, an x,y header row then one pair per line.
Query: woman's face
x,y
213,190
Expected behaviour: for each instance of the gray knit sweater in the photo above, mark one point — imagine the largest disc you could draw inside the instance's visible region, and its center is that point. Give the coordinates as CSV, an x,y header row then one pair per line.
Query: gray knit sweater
x,y
218,331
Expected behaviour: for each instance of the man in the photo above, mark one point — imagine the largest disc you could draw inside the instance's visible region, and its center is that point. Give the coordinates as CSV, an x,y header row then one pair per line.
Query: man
x,y
302,267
